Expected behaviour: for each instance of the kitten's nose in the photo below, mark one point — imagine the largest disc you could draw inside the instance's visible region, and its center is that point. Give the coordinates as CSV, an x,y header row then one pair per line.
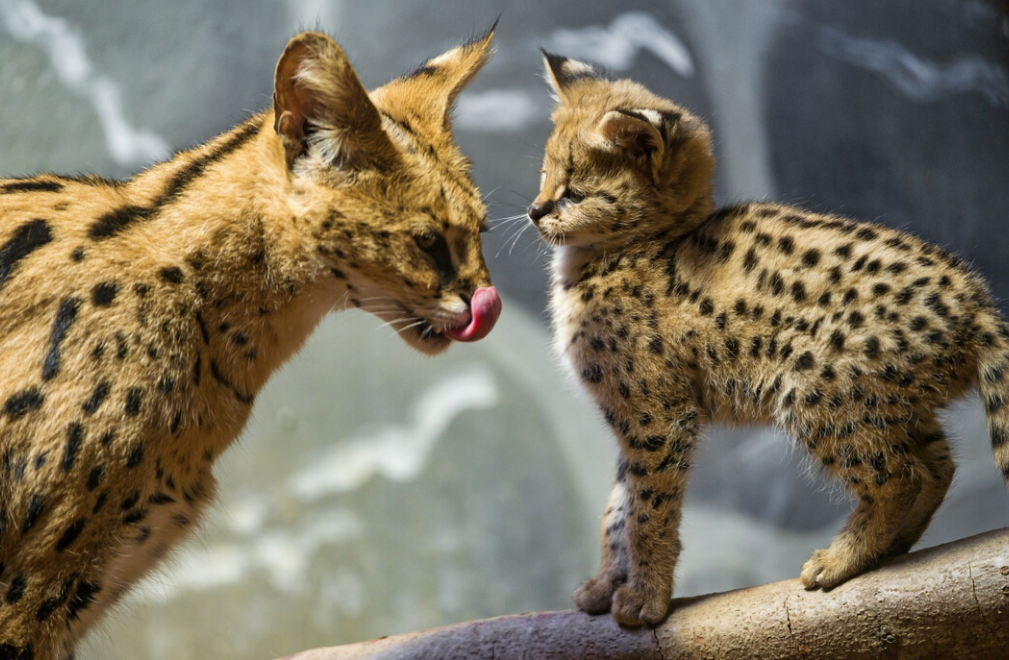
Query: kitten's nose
x,y
537,211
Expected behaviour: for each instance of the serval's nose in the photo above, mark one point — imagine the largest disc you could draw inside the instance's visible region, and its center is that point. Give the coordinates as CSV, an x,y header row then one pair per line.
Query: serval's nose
x,y
537,211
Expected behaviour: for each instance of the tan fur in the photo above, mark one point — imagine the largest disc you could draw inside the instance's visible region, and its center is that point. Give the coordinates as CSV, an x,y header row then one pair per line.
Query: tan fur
x,y
140,319
848,336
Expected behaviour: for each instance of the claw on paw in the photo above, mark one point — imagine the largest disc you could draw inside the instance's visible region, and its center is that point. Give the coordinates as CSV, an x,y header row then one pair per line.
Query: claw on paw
x,y
825,570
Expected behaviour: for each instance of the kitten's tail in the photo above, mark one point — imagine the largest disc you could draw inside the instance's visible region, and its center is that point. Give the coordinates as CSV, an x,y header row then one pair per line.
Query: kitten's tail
x,y
993,383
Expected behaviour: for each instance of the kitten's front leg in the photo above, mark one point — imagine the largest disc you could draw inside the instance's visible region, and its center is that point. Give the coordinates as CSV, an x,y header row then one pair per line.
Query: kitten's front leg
x,y
641,542
596,594
655,487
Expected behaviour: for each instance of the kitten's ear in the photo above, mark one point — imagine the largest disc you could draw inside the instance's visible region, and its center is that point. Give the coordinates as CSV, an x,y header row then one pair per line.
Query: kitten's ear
x,y
318,99
643,134
430,91
562,73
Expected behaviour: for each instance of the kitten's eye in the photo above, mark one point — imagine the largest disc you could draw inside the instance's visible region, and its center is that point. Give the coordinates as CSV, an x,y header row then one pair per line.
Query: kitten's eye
x,y
569,197
572,195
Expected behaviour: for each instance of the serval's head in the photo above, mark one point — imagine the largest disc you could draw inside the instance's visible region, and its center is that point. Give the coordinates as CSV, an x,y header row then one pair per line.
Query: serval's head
x,y
621,162
382,190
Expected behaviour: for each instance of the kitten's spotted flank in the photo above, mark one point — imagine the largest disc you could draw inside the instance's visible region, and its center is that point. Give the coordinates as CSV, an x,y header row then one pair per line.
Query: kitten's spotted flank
x,y
140,319
847,335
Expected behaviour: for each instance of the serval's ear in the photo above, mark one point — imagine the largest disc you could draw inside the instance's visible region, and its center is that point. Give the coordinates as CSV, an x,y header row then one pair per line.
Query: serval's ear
x,y
563,74
428,93
319,102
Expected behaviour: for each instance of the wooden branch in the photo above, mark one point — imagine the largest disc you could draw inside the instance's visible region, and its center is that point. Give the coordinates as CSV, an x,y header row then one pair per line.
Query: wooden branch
x,y
951,601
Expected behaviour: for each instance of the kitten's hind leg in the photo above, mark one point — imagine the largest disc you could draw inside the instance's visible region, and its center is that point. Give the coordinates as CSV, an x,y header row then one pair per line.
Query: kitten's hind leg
x,y
595,595
887,486
932,449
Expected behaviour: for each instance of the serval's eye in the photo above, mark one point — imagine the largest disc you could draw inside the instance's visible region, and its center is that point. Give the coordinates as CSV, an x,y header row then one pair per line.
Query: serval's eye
x,y
436,249
426,242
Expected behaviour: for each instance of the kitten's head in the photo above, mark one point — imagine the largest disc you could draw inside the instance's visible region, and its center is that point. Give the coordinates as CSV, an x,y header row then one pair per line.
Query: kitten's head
x,y
621,163
380,188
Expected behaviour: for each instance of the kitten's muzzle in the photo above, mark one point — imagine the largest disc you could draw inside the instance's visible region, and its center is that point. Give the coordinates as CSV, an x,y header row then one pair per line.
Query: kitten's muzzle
x,y
538,211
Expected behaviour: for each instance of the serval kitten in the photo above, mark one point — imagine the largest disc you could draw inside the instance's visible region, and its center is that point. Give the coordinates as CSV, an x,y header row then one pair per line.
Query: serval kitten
x,y
848,336
141,318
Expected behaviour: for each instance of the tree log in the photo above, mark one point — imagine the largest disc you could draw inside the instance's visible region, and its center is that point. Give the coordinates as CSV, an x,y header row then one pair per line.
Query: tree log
x,y
950,601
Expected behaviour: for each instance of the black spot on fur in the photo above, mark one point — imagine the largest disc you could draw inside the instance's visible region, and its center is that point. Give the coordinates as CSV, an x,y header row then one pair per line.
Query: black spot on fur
x,y
750,261
135,457
805,361
65,317
36,505
113,222
70,535
130,501
777,284
593,373
103,294
97,397
134,401
26,239
171,274
75,436
95,477
82,599
21,403
16,590
30,186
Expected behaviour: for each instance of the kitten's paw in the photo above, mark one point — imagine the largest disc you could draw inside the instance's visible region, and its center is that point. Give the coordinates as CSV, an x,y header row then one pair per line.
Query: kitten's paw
x,y
634,609
826,569
595,595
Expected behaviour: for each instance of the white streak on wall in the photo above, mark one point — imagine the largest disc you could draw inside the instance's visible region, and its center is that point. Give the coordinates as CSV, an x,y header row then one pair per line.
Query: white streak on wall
x,y
282,556
65,47
915,77
397,452
616,45
497,111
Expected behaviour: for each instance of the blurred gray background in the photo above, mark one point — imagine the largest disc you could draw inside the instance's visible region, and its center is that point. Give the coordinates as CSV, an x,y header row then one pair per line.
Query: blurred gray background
x,y
377,492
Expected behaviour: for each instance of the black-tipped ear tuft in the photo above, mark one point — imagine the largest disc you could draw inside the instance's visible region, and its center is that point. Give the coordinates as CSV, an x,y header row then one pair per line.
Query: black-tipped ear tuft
x,y
563,72
485,35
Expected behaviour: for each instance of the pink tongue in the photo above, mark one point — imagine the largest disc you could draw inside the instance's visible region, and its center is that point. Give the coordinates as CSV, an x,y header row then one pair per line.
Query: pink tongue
x,y
484,310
